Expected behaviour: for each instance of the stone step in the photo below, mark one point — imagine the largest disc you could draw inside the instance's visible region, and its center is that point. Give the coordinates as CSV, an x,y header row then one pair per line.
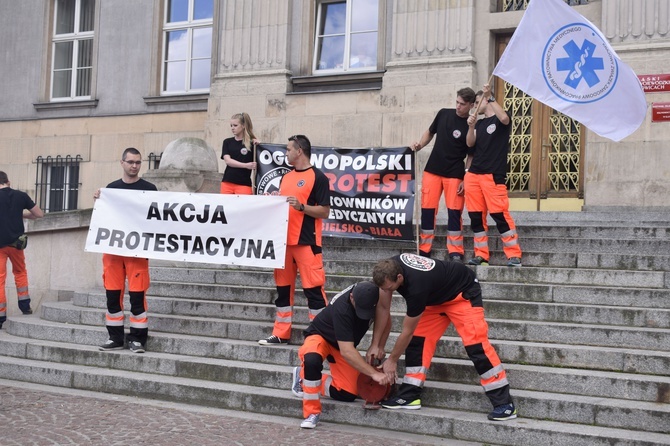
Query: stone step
x,y
495,309
594,383
592,336
461,425
577,294
338,280
540,243
438,396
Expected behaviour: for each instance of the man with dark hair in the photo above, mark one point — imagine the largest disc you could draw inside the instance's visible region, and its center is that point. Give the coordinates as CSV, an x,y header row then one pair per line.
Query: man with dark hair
x,y
307,191
485,188
437,294
333,336
444,173
13,203
117,268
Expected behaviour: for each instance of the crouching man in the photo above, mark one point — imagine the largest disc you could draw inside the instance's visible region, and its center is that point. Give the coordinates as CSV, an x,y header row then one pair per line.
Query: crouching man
x,y
333,336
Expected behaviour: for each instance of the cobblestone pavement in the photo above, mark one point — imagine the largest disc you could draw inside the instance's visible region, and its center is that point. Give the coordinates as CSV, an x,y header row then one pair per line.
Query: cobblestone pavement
x,y
36,415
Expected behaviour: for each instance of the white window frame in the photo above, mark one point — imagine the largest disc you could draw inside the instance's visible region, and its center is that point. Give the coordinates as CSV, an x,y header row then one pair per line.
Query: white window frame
x,y
347,40
189,26
76,37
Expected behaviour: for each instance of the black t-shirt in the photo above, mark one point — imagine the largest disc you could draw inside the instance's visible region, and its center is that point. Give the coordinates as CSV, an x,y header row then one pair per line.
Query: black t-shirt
x,y
140,184
491,147
236,150
338,321
450,149
12,204
429,282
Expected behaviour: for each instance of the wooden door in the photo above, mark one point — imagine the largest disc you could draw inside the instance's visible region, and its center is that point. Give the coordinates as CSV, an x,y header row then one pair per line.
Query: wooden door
x,y
546,147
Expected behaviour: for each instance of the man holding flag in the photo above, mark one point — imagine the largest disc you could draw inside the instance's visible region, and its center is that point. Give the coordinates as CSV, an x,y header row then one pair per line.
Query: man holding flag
x,y
561,59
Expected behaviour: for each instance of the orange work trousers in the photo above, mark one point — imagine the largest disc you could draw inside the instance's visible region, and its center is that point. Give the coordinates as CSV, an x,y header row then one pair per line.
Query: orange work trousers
x,y
309,261
468,319
482,196
115,271
18,260
432,188
341,384
235,189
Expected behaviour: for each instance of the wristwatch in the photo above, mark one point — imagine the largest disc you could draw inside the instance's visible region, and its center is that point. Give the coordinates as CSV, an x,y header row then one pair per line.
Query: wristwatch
x,y
491,99
302,207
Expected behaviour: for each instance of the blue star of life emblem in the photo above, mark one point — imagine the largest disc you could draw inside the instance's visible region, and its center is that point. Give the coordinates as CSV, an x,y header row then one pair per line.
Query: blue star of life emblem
x,y
580,64
577,53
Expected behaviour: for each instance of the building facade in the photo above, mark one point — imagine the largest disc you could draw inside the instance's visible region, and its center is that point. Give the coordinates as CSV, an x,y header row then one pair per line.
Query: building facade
x,y
83,79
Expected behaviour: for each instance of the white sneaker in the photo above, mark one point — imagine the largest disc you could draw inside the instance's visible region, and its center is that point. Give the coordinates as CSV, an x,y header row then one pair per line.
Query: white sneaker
x,y
296,388
310,422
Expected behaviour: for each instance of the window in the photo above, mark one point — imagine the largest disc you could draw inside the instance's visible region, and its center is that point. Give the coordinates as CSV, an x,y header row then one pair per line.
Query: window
x,y
155,160
518,5
57,183
346,36
187,49
72,50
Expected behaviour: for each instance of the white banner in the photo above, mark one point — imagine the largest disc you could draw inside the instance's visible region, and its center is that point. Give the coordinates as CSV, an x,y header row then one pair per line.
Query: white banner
x,y
245,230
562,60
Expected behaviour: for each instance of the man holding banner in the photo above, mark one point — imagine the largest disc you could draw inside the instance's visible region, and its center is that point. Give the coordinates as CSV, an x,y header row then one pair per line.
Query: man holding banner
x,y
117,268
307,191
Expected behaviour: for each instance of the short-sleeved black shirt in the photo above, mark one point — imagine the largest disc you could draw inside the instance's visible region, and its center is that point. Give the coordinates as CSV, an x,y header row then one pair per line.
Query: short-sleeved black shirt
x,y
491,147
450,149
237,151
12,204
429,282
140,184
338,321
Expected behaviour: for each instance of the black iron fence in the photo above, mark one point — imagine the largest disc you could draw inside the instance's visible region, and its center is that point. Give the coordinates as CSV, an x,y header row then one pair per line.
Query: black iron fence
x,y
57,183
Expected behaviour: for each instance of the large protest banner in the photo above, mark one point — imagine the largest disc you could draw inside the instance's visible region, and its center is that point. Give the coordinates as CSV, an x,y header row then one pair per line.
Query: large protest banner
x,y
206,228
372,190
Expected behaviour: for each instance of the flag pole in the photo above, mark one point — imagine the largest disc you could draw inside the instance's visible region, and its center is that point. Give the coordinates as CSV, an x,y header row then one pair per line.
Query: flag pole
x,y
253,172
417,215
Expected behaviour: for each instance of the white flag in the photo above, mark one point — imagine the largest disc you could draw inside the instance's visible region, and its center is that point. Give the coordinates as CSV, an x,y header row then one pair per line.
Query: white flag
x,y
562,60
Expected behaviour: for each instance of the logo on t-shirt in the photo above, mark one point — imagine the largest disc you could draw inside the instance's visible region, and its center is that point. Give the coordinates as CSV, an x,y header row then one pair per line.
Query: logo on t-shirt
x,y
490,129
457,133
301,183
244,151
269,183
419,263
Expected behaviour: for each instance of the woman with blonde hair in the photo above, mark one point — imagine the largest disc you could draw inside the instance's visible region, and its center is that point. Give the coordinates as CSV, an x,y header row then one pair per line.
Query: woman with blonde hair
x,y
238,152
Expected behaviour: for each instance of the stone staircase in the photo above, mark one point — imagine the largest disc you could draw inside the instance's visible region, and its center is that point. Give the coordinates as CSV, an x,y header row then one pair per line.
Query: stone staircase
x,y
583,329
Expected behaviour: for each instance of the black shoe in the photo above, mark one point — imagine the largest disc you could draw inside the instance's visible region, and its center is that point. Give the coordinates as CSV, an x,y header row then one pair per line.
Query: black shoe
x,y
28,311
503,412
399,403
479,261
456,258
111,345
136,347
273,340
424,254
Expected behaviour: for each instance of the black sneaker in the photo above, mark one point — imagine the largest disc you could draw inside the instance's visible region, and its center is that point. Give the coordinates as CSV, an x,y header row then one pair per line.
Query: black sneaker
x,y
425,254
479,261
111,345
136,347
273,340
503,412
514,261
28,311
399,403
456,258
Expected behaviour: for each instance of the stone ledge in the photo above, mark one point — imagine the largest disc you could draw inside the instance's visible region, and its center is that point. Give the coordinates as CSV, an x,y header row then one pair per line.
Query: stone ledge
x,y
59,221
